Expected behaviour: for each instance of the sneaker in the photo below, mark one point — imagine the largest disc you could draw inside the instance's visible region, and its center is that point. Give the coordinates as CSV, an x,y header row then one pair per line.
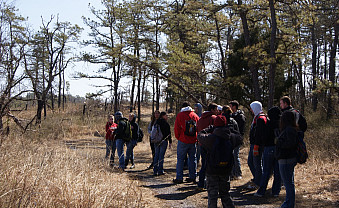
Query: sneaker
x,y
132,167
177,181
155,174
189,180
258,195
163,173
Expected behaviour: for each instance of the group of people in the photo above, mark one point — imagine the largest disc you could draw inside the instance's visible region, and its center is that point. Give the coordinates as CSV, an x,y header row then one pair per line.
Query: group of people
x,y
216,136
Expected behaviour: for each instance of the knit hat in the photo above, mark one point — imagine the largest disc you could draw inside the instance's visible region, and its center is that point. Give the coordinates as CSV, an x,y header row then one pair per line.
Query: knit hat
x,y
220,120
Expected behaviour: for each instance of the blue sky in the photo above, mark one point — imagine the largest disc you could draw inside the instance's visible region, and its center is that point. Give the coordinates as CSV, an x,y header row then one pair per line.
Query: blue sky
x,y
68,10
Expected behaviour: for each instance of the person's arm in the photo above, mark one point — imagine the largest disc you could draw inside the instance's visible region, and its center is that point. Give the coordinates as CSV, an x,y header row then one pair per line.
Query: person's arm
x,y
177,127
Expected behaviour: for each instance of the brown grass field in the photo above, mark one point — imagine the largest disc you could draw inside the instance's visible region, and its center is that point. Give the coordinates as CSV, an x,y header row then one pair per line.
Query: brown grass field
x,y
61,164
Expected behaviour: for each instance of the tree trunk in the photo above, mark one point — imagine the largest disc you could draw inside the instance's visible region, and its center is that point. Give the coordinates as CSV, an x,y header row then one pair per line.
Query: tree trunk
x,y
314,69
332,71
273,63
253,69
39,111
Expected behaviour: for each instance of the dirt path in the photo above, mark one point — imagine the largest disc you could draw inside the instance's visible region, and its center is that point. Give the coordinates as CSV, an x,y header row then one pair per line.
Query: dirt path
x,y
160,189
186,194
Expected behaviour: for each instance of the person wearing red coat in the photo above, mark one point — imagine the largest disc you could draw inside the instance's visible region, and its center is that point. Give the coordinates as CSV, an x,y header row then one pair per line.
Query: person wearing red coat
x,y
206,120
110,143
186,143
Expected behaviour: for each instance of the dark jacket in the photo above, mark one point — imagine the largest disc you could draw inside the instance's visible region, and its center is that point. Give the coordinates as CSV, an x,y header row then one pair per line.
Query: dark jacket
x,y
165,129
300,119
120,131
274,114
135,129
240,118
207,140
258,130
286,146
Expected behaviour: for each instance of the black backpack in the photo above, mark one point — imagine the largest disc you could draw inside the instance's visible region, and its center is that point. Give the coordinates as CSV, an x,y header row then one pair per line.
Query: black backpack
x,y
127,131
140,135
302,154
220,159
190,128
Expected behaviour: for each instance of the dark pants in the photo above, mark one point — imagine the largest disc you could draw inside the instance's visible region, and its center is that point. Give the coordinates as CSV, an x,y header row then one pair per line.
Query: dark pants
x,y
203,154
218,186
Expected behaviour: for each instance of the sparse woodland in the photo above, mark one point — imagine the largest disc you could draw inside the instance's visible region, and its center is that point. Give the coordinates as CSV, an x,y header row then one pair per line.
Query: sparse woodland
x,y
170,51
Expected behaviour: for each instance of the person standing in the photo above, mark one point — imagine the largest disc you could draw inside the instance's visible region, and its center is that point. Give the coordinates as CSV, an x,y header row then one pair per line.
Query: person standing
x,y
120,137
206,120
198,111
133,142
239,117
185,132
160,148
270,163
257,134
219,161
110,142
286,150
154,118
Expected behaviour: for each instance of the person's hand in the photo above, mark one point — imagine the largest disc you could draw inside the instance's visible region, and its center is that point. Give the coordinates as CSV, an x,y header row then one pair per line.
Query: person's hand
x,y
256,150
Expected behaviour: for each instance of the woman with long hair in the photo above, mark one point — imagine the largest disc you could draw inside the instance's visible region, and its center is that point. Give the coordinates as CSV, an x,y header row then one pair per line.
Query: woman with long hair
x,y
154,118
286,154
160,147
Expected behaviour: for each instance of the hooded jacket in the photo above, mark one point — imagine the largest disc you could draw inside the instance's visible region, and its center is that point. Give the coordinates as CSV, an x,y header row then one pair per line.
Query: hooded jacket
x,y
199,106
206,119
258,127
186,114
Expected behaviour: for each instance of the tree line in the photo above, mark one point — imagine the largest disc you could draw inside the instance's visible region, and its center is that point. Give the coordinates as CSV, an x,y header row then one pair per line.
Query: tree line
x,y
202,50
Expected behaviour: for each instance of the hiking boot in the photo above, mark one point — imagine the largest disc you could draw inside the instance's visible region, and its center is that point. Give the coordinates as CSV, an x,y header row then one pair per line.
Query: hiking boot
x,y
189,180
177,181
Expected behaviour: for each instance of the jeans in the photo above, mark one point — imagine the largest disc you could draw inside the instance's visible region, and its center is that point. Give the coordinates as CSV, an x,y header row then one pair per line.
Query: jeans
x,y
286,167
236,171
158,163
270,164
218,186
110,149
254,163
203,153
120,149
153,150
182,150
129,152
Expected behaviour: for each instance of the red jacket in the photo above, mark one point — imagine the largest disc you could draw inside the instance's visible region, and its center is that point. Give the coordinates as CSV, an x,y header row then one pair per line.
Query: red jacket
x,y
186,114
207,118
110,127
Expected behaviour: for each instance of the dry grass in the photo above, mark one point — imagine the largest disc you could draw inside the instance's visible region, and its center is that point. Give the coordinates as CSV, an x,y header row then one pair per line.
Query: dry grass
x,y
61,164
